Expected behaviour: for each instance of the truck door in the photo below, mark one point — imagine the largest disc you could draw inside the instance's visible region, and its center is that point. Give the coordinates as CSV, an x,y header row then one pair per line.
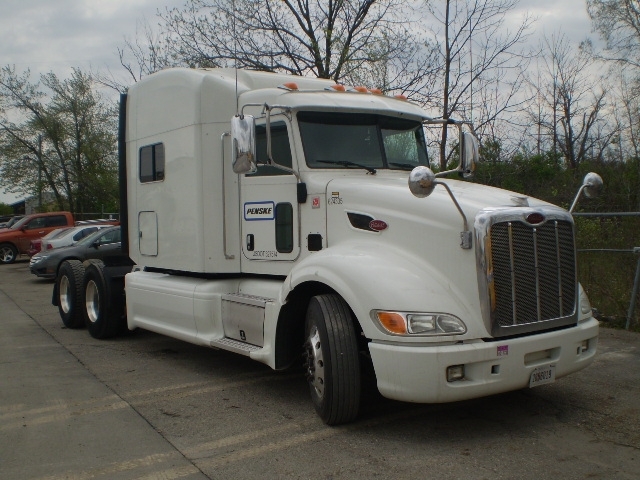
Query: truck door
x,y
269,201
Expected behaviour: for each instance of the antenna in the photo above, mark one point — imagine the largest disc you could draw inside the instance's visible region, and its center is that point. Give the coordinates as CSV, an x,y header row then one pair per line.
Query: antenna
x,y
471,69
235,54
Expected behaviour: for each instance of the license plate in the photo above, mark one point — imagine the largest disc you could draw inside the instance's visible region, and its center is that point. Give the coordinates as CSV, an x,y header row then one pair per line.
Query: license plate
x,y
542,375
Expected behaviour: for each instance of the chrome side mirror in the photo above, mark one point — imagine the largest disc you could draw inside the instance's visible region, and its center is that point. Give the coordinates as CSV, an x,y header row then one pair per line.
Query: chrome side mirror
x,y
591,186
469,154
243,139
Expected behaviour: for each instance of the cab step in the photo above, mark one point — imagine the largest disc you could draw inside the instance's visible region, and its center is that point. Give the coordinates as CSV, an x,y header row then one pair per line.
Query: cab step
x,y
235,346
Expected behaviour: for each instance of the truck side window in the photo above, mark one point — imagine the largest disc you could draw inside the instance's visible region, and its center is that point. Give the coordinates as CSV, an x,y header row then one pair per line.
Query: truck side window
x,y
56,221
110,237
284,227
152,163
39,222
280,149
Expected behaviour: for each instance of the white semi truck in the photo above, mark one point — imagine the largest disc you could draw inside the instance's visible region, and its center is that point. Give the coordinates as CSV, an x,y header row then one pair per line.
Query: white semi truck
x,y
277,216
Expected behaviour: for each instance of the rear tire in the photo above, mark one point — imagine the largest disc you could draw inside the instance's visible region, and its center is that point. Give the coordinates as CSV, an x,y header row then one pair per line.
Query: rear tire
x,y
70,293
8,253
101,313
332,363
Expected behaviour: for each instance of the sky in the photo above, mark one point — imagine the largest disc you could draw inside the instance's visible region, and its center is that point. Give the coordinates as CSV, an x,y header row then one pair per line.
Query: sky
x,y
56,35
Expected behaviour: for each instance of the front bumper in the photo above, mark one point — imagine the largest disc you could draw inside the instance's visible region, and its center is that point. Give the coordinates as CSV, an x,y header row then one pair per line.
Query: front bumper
x,y
42,270
419,373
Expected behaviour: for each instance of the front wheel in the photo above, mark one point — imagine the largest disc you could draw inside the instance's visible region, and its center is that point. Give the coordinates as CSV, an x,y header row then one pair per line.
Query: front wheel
x,y
331,359
8,253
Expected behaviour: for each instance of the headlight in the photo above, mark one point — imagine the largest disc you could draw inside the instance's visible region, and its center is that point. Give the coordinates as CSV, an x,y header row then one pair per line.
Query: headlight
x,y
400,323
36,259
585,305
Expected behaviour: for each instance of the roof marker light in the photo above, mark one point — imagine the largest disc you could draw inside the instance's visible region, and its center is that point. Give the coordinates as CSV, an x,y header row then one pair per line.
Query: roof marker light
x,y
289,86
375,91
400,97
337,87
361,89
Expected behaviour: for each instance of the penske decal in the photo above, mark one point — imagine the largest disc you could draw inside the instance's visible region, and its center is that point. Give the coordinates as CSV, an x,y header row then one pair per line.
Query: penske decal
x,y
259,211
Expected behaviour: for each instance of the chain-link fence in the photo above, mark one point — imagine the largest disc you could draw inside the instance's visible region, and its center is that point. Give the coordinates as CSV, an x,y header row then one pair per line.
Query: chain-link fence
x,y
611,275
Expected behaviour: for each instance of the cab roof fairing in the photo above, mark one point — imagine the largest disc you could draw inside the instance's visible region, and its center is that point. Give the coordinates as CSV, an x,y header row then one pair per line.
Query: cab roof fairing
x,y
328,101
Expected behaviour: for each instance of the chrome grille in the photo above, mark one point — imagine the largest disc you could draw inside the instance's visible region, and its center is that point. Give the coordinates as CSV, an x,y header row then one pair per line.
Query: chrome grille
x,y
533,275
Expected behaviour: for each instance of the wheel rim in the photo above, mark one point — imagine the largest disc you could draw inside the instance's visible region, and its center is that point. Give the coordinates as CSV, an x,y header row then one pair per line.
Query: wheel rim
x,y
6,254
65,300
315,362
92,301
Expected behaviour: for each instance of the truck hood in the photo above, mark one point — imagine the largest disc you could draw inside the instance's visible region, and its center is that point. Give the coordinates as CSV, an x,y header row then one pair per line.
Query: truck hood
x,y
387,197
418,247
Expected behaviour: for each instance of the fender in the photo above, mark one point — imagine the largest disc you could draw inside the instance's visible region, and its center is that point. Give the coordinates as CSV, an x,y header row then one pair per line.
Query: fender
x,y
362,273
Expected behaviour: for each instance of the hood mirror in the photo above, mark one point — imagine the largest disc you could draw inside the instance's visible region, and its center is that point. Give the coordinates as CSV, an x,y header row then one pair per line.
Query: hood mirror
x,y
422,182
591,186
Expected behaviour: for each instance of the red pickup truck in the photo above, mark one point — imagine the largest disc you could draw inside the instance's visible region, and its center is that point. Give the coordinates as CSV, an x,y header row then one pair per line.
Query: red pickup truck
x,y
16,240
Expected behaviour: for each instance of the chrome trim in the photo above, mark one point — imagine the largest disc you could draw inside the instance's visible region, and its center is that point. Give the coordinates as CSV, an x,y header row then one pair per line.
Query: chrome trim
x,y
488,283
537,270
224,202
558,257
514,304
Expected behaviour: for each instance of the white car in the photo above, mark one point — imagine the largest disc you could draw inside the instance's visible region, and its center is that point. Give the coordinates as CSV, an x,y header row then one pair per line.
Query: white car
x,y
68,236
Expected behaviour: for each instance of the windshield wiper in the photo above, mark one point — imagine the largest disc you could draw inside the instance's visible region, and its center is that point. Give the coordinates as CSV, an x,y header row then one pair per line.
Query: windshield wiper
x,y
346,163
403,166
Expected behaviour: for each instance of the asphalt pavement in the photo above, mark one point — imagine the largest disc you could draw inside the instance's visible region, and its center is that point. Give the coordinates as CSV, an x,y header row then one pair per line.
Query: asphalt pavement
x,y
149,407
57,420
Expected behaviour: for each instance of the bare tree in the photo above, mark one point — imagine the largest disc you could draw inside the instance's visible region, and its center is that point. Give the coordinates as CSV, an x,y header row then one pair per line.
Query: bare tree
x,y
146,53
618,21
570,102
477,52
630,108
410,71
325,38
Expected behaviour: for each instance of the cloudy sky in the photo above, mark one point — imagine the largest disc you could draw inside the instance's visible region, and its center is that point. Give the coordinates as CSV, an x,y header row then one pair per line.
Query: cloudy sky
x,y
56,35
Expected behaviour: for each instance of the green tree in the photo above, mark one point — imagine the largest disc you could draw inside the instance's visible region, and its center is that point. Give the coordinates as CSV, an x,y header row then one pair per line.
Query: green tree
x,y
58,136
5,209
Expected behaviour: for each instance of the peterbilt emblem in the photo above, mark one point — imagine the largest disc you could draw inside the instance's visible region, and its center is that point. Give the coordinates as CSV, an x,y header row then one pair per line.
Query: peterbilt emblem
x,y
535,218
378,225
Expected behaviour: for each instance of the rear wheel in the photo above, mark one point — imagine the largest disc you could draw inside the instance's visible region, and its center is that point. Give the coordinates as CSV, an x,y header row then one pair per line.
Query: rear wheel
x,y
70,293
8,253
101,313
331,359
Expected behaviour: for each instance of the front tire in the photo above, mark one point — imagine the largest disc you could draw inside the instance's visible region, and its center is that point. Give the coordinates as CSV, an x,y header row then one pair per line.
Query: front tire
x,y
70,293
8,253
331,359
101,313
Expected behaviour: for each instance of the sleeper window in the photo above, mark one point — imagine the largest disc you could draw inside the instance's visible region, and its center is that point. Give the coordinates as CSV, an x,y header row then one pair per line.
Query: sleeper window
x,y
152,163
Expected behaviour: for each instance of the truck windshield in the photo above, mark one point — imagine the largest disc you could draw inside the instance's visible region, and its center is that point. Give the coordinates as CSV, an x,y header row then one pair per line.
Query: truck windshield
x,y
359,140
